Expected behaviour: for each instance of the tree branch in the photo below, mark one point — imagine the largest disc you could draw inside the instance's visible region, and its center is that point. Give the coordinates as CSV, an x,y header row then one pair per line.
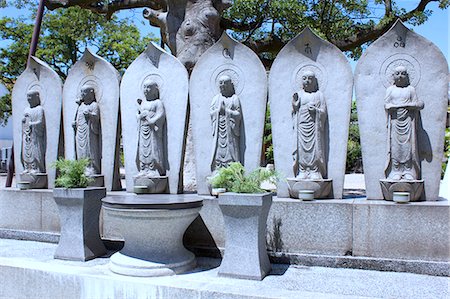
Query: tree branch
x,y
364,35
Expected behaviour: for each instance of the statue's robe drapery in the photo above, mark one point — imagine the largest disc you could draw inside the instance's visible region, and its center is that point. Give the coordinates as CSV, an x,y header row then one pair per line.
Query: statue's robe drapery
x,y
402,146
34,140
88,135
150,150
309,128
226,130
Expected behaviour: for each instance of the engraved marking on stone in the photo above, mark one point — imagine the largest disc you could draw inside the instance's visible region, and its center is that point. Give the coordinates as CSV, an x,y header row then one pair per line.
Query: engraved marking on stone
x,y
308,49
231,70
226,53
93,80
399,42
153,57
90,65
410,63
316,68
36,72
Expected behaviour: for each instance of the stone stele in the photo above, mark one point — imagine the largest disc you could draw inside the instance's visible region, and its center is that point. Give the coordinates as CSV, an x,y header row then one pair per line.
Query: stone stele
x,y
228,90
37,148
427,69
171,77
309,54
96,123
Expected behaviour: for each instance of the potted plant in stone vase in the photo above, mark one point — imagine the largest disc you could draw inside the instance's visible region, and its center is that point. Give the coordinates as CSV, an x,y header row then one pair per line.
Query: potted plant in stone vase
x,y
79,210
245,207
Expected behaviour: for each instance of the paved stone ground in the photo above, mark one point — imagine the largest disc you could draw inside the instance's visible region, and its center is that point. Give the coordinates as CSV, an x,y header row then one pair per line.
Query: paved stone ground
x,y
94,280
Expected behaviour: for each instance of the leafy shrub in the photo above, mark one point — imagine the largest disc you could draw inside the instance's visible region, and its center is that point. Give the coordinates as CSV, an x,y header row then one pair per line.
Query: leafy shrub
x,y
233,179
72,173
354,157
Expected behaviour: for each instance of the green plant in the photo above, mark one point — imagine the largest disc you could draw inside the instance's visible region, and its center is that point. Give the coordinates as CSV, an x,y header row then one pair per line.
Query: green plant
x,y
72,173
234,179
446,151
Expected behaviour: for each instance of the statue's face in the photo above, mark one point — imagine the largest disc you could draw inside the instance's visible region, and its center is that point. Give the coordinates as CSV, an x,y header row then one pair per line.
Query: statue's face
x,y
226,86
88,94
400,75
33,99
308,79
151,91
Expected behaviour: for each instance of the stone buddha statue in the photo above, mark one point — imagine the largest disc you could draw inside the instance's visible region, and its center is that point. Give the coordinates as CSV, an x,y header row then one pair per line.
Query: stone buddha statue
x,y
402,107
151,125
88,132
309,114
33,136
225,112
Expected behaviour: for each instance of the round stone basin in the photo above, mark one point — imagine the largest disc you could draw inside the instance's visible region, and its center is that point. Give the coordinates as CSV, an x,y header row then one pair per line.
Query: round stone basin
x,y
152,227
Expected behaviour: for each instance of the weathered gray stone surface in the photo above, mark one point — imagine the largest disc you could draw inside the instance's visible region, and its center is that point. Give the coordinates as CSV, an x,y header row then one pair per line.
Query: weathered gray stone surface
x,y
160,250
172,79
40,78
402,231
309,53
92,70
79,211
245,217
28,271
227,57
428,74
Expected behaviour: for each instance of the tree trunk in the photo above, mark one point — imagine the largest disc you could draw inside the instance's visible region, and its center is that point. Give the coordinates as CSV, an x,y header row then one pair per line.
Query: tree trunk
x,y
189,27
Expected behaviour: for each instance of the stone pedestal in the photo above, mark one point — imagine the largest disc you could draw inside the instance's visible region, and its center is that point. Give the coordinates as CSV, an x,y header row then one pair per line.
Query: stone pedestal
x,y
414,188
152,227
79,211
245,217
321,188
32,181
144,184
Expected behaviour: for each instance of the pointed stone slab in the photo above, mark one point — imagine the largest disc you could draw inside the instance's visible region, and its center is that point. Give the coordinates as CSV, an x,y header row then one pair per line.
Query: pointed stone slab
x,y
38,76
308,52
227,57
93,69
428,72
172,78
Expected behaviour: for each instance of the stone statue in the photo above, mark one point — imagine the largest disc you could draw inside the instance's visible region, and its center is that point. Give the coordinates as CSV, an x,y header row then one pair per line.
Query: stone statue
x,y
225,112
33,136
402,107
88,130
150,156
309,115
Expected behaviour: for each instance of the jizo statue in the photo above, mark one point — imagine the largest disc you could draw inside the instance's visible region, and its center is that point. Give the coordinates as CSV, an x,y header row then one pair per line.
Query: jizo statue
x,y
402,107
88,132
225,112
309,115
33,135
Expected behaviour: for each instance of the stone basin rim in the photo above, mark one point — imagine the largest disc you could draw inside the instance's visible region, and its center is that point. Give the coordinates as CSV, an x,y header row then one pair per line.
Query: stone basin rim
x,y
153,201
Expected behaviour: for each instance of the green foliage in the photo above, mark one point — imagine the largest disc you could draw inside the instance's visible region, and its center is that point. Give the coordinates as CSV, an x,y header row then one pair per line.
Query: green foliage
x,y
72,173
234,179
446,150
354,156
65,33
268,145
337,20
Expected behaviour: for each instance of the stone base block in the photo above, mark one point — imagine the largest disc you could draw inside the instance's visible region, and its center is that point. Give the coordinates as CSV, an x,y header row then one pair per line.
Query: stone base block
x,y
79,211
150,185
414,188
98,181
245,218
130,266
321,188
32,181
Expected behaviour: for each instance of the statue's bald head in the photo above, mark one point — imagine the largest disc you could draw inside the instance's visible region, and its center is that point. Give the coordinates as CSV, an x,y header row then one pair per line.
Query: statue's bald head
x,y
33,98
309,81
401,76
226,86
